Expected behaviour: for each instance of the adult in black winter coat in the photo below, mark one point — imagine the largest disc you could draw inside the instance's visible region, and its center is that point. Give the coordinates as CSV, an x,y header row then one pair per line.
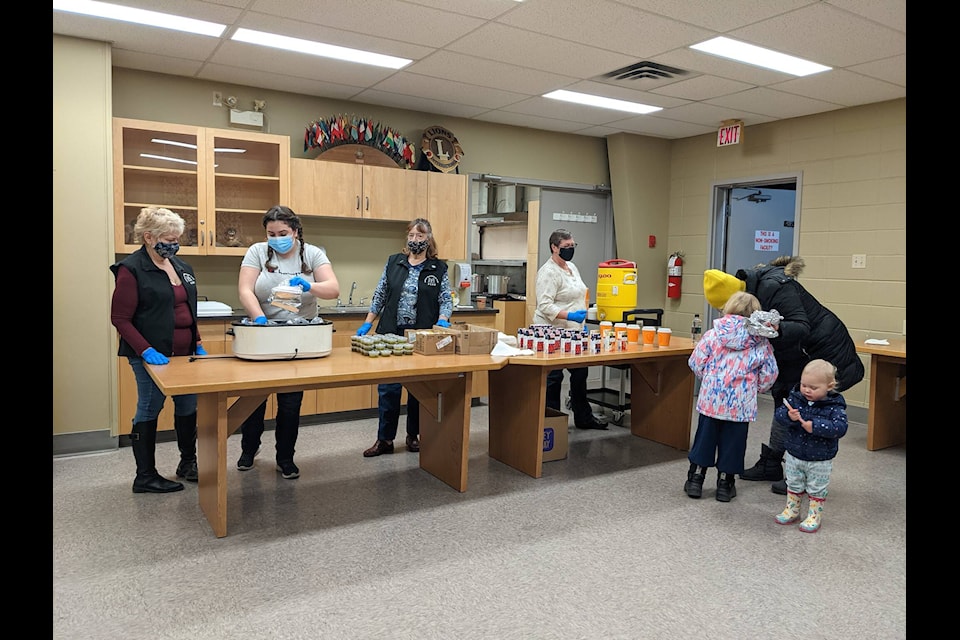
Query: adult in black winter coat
x,y
808,331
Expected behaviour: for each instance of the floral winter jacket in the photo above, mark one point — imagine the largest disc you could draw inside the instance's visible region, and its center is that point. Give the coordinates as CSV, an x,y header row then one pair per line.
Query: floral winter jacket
x,y
734,367
829,417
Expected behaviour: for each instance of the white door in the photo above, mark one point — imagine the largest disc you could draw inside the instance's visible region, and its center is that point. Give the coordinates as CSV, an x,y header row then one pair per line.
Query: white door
x,y
754,221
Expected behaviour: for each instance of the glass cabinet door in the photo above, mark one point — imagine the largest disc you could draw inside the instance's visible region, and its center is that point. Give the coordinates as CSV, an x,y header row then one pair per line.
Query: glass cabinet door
x,y
247,174
156,165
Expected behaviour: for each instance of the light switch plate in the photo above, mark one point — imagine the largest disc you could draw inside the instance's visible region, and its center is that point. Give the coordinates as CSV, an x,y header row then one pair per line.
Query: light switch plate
x,y
859,261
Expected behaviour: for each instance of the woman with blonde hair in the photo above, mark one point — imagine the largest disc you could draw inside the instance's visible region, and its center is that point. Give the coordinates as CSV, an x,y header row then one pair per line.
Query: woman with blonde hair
x,y
154,309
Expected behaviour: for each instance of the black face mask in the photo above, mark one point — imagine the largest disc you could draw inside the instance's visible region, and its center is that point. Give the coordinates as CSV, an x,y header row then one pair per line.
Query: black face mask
x,y
166,249
567,253
417,247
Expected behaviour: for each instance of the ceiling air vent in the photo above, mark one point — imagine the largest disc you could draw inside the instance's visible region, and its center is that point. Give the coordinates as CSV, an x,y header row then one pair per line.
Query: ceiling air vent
x,y
643,75
645,69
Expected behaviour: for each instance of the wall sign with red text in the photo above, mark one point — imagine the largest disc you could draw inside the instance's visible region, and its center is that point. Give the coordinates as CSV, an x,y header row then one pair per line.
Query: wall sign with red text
x,y
730,133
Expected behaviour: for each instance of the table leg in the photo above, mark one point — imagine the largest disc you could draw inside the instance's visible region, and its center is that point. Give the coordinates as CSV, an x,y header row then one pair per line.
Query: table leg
x,y
661,401
887,415
212,459
214,420
517,395
444,427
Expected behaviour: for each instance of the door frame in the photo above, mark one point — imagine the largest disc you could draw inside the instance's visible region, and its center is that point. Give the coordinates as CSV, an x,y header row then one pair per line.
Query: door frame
x,y
720,207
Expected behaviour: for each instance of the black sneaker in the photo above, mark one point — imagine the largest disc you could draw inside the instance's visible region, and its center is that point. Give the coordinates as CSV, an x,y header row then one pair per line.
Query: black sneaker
x,y
288,470
245,463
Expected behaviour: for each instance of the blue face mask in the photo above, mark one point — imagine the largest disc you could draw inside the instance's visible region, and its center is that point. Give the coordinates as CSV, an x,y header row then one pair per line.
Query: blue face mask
x,y
280,244
166,249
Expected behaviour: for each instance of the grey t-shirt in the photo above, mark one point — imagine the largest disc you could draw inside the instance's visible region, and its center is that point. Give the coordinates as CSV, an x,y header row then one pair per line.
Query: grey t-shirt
x,y
285,268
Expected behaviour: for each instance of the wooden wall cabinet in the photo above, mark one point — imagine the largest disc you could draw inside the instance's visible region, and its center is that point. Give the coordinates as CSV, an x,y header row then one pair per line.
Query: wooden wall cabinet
x,y
447,211
220,181
367,192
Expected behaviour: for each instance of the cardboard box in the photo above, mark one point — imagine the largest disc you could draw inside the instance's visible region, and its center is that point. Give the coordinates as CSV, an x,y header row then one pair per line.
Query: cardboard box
x,y
555,430
430,342
472,339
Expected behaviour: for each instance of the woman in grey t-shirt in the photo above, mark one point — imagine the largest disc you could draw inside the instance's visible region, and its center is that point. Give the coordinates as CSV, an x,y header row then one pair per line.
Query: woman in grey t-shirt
x,y
284,259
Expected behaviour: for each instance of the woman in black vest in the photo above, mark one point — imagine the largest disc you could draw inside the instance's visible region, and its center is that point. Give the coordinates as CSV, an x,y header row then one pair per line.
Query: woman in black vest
x,y
413,293
154,309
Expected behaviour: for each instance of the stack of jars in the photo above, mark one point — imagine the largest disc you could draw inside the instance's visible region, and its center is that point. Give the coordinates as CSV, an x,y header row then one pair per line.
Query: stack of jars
x,y
386,344
547,339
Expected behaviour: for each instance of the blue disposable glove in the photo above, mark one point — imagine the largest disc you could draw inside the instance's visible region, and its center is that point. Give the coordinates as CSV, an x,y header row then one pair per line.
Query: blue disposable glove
x,y
260,320
443,323
577,316
364,328
152,356
297,281
201,351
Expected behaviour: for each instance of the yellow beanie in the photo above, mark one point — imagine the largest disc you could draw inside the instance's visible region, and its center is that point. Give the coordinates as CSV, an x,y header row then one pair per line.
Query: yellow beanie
x,y
719,286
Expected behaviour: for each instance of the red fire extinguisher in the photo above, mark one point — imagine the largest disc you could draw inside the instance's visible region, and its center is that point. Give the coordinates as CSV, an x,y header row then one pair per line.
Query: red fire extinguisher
x,y
674,274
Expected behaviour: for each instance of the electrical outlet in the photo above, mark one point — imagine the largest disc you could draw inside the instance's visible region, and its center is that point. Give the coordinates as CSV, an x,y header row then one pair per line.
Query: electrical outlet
x,y
904,326
217,99
859,261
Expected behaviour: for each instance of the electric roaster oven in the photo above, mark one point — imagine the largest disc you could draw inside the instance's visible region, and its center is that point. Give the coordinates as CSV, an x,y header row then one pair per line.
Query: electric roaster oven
x,y
282,340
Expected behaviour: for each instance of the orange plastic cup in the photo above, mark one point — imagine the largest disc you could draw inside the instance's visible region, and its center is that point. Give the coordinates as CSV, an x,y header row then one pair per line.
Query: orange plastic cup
x,y
649,336
663,336
633,333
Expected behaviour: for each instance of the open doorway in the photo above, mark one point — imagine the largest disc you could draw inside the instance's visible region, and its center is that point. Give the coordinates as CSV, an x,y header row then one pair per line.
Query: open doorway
x,y
754,220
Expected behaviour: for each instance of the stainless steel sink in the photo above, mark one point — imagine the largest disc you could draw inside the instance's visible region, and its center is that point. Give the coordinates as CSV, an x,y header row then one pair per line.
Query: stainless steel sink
x,y
329,311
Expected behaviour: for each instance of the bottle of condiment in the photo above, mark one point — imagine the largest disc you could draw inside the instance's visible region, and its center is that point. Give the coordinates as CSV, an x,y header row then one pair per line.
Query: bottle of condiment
x,y
696,328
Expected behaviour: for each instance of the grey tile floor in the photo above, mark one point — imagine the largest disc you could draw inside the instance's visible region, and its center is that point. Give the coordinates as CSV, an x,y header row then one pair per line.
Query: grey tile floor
x,y
604,545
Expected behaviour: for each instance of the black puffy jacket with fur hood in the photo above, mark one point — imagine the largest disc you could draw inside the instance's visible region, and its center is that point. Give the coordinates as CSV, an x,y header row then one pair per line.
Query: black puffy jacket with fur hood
x,y
808,330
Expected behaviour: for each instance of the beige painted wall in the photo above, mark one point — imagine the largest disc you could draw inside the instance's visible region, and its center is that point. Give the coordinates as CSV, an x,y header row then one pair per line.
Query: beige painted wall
x,y
84,351
854,200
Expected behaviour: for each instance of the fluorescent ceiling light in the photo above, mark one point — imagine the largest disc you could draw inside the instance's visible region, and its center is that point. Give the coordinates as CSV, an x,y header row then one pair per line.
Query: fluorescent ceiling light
x,y
319,49
599,101
139,16
767,58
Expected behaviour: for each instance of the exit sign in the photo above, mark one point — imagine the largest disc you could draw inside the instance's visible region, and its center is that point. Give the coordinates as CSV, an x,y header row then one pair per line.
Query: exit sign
x,y
730,133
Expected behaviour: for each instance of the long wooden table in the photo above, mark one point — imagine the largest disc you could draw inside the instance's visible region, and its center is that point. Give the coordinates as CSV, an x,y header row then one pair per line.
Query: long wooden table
x,y
887,414
442,384
661,399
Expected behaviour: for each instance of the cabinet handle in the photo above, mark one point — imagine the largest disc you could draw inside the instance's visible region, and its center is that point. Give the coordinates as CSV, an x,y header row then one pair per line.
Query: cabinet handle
x,y
211,237
368,203
202,237
358,203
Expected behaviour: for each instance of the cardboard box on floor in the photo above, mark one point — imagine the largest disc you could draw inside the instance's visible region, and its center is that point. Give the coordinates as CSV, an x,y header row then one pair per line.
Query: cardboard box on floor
x,y
555,430
430,342
472,339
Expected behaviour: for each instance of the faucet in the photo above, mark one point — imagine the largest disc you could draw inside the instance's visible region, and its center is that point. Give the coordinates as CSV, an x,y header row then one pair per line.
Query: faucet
x,y
353,288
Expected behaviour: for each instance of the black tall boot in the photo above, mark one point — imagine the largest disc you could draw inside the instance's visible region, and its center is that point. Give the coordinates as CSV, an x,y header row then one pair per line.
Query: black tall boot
x,y
725,487
143,441
695,477
769,467
186,428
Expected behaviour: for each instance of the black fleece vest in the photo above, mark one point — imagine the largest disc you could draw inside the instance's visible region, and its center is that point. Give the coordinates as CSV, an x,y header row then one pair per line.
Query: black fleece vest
x,y
428,292
153,317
